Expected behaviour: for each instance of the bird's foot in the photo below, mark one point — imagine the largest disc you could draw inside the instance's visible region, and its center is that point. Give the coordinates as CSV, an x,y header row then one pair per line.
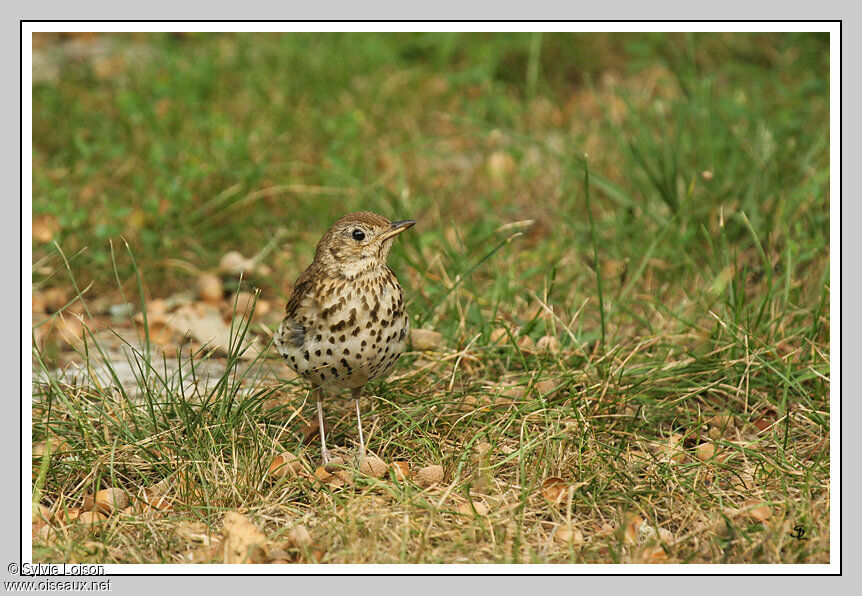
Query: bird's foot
x,y
357,454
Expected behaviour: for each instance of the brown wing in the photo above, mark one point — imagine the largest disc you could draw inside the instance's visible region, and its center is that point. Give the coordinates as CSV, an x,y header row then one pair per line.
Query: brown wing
x,y
301,288
293,326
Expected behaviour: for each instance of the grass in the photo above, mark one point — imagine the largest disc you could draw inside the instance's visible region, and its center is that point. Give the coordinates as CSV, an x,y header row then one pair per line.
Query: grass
x,y
655,203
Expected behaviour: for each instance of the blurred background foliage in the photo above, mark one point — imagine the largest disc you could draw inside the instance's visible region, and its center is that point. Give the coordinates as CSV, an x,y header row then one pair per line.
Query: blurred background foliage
x,y
708,154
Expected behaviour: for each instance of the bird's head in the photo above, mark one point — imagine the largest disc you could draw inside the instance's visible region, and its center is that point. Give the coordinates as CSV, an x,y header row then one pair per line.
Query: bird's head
x,y
358,243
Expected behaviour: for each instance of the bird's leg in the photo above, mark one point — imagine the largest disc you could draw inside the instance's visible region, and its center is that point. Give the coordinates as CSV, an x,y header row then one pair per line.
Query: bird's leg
x,y
324,452
357,393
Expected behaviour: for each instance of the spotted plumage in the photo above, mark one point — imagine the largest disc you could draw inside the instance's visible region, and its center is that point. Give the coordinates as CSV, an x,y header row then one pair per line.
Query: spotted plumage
x,y
345,322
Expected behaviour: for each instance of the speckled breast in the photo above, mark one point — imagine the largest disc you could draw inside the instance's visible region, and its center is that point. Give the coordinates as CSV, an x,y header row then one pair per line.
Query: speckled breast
x,y
346,333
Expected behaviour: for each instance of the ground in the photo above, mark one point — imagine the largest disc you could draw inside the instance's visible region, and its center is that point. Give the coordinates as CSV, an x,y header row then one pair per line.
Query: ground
x,y
619,274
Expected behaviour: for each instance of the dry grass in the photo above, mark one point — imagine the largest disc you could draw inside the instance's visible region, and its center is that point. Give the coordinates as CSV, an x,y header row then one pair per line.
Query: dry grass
x,y
625,459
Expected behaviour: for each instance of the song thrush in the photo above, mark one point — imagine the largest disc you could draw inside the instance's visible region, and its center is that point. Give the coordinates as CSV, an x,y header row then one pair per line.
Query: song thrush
x,y
345,323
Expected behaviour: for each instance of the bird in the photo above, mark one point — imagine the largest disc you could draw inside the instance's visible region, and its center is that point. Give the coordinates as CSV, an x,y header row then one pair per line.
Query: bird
x,y
345,322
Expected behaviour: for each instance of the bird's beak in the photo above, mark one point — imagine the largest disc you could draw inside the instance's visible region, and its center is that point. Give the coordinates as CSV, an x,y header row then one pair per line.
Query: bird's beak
x,y
396,227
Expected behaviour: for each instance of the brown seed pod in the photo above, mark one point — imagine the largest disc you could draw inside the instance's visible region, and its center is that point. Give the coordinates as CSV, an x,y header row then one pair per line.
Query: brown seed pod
x,y
567,534
210,288
673,451
526,343
286,464
429,475
157,306
401,469
425,339
632,528
41,513
758,511
45,227
469,403
498,336
346,476
38,303
55,446
722,422
233,262
47,534
706,451
554,489
243,301
155,503
109,500
474,508
546,388
68,515
373,466
55,299
335,479
262,308
336,463
322,474
91,517
653,554
514,392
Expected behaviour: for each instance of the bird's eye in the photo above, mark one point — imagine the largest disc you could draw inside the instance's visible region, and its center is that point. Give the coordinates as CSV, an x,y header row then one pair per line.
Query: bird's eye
x,y
358,235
